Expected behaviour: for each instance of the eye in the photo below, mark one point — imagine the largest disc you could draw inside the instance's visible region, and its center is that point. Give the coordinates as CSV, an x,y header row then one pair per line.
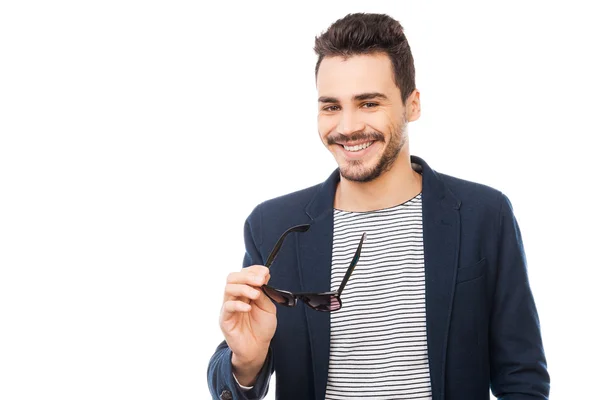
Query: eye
x,y
331,108
370,105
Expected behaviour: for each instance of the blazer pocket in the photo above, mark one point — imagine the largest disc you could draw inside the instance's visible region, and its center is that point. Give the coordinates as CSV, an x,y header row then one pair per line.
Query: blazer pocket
x,y
469,273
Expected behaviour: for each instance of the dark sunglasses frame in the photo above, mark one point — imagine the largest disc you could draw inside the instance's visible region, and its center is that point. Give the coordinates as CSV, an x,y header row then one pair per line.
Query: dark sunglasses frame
x,y
323,301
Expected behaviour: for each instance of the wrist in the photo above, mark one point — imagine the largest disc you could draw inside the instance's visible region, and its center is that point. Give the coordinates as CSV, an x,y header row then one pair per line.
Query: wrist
x,y
246,370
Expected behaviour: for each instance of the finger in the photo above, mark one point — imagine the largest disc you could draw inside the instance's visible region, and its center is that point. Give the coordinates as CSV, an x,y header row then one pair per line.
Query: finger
x,y
264,303
234,291
259,273
245,278
259,270
232,307
253,277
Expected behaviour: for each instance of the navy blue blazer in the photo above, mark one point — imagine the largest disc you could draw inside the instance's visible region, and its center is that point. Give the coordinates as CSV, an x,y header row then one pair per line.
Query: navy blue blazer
x,y
482,323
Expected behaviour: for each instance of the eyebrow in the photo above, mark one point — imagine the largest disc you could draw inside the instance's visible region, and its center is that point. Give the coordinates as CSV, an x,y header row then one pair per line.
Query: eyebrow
x,y
358,97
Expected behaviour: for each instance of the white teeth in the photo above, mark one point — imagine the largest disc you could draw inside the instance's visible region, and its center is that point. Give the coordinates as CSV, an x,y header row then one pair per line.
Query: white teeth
x,y
358,147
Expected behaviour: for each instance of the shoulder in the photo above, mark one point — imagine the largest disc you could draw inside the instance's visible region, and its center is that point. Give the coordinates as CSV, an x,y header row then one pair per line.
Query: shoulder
x,y
279,213
291,201
476,196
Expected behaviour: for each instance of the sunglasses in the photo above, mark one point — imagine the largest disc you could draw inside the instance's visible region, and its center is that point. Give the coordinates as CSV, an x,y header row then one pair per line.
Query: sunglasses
x,y
325,301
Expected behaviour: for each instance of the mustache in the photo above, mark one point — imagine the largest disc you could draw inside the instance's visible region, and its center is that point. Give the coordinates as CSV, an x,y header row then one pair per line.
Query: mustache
x,y
355,137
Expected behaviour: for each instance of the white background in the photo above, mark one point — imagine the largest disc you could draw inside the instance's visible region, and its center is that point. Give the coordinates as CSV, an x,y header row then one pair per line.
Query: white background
x,y
137,136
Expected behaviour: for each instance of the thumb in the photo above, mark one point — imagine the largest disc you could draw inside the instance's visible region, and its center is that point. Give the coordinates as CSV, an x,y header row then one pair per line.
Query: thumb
x,y
264,302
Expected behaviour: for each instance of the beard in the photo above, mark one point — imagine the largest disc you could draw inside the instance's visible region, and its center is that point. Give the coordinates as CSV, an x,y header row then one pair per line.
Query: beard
x,y
356,171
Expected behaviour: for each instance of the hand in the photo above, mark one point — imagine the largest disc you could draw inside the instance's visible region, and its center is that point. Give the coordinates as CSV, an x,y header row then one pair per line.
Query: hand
x,y
248,321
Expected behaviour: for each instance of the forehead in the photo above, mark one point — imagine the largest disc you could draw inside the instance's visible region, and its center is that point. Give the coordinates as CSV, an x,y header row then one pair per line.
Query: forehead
x,y
344,77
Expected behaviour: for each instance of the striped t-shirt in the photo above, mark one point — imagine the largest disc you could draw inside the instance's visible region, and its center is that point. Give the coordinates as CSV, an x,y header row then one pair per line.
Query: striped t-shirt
x,y
378,345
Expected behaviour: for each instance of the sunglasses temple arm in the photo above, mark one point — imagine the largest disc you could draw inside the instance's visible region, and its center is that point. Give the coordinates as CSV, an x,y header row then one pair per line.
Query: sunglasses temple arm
x,y
352,264
298,228
275,251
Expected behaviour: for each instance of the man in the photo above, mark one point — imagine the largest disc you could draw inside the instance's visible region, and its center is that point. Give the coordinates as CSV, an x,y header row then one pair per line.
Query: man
x,y
438,305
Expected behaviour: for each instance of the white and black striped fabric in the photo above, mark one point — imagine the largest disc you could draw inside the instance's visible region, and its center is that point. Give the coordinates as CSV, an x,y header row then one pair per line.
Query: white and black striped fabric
x,y
378,338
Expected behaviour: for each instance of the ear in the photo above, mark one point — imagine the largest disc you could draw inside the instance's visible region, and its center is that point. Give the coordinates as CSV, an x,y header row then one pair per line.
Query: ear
x,y
413,106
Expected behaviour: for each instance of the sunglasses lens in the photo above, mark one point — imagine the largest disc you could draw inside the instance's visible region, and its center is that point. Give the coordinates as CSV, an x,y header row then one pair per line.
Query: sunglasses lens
x,y
323,302
278,296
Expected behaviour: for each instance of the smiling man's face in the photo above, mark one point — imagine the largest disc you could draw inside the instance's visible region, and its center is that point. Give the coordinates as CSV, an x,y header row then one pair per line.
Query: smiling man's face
x,y
361,118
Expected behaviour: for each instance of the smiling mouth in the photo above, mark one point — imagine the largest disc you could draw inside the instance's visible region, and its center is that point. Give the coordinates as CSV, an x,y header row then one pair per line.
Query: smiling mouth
x,y
357,147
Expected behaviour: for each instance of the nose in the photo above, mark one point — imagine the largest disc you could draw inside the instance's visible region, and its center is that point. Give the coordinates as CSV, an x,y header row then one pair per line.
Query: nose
x,y
350,122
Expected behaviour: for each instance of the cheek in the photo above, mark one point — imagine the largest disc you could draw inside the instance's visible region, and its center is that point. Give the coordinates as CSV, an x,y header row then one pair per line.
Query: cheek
x,y
326,125
378,122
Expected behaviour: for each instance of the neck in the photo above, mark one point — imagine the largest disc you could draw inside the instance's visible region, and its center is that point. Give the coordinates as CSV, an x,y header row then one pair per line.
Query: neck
x,y
395,186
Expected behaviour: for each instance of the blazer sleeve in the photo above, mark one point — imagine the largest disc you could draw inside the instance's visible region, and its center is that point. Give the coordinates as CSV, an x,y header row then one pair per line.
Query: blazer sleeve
x,y
220,375
518,364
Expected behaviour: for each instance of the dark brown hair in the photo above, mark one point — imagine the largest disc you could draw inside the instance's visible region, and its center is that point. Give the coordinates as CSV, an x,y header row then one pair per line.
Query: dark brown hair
x,y
362,33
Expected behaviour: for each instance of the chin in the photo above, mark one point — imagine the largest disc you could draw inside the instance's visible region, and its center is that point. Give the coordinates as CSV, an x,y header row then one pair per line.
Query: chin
x,y
358,173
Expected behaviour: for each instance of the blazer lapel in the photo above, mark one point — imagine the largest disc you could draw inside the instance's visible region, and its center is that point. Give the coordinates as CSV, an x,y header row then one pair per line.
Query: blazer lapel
x,y
441,236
